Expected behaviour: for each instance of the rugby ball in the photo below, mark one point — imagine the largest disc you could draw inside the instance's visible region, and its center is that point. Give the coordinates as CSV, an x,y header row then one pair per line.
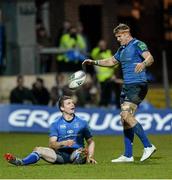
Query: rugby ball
x,y
77,79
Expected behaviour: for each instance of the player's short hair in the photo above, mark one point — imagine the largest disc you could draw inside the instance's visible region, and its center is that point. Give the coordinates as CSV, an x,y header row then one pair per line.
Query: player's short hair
x,y
19,78
61,100
121,28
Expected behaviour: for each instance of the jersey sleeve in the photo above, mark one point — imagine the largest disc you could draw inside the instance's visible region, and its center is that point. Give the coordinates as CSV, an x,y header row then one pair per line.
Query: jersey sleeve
x,y
117,55
141,47
87,132
53,131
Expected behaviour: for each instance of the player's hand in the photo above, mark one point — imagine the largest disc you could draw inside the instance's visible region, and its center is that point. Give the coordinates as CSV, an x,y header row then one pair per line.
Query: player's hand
x,y
139,67
69,143
88,62
91,160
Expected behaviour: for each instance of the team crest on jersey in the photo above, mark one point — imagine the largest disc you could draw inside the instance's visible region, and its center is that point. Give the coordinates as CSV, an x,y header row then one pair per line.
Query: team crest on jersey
x,y
62,126
142,46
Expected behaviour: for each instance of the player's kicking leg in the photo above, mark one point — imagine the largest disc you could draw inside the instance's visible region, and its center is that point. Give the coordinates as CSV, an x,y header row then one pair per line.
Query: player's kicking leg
x,y
131,126
149,148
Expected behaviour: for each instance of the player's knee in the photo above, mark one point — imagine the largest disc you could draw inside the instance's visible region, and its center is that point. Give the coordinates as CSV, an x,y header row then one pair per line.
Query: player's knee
x,y
37,149
124,115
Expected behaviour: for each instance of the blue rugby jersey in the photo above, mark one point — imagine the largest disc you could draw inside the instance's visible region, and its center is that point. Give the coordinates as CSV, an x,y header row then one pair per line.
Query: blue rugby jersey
x,y
76,129
128,56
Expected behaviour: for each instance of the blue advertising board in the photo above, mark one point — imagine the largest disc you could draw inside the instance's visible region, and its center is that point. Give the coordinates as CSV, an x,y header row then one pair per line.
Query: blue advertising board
x,y
28,118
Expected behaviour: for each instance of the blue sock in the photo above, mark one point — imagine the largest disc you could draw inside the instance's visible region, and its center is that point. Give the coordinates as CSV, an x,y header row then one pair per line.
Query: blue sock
x,y
138,129
31,158
128,141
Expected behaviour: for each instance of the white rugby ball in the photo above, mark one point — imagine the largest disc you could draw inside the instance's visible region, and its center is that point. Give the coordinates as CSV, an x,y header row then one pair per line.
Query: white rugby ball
x,y
77,79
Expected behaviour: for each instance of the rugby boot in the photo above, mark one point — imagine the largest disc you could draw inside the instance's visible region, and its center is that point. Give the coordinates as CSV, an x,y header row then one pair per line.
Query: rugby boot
x,y
147,153
122,159
13,160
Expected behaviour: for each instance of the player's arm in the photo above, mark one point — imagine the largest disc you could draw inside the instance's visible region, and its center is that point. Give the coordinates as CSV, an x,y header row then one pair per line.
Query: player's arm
x,y
102,62
54,144
91,147
148,61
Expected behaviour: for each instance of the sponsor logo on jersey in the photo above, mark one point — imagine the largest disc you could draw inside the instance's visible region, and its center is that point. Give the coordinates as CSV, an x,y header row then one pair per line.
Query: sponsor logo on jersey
x,y
70,131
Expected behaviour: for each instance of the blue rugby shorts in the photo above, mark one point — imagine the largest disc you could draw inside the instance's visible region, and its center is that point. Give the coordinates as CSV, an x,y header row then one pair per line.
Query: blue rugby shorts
x,y
134,93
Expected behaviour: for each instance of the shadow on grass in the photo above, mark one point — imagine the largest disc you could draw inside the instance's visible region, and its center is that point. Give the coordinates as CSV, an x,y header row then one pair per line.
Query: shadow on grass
x,y
150,161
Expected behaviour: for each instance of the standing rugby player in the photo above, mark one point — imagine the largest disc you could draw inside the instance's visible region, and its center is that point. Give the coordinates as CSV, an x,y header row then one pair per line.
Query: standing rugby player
x,y
134,57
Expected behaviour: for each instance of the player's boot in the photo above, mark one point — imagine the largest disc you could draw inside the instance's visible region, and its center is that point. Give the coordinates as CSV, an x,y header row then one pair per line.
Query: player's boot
x,y
79,156
123,158
13,160
148,152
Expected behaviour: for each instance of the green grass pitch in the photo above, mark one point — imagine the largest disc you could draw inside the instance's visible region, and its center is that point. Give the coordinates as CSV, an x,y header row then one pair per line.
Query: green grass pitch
x,y
159,166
